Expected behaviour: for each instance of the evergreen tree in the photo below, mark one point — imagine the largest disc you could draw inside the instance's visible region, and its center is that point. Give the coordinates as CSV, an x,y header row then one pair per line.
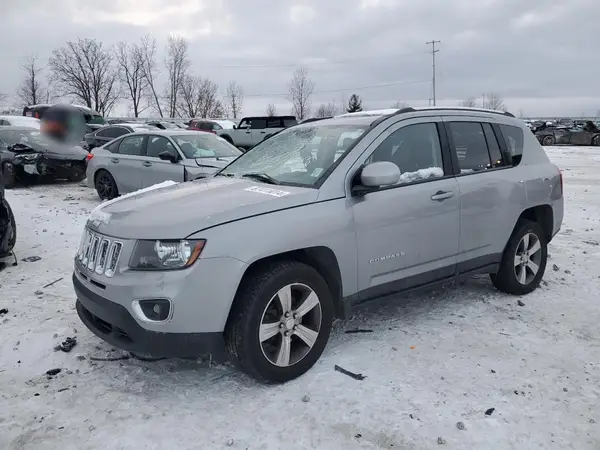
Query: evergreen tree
x,y
354,104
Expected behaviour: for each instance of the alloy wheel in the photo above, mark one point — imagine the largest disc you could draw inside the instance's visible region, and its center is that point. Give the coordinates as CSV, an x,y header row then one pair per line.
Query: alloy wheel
x,y
290,325
528,258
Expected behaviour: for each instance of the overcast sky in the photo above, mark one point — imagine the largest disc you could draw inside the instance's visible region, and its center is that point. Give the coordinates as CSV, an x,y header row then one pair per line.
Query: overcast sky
x,y
540,55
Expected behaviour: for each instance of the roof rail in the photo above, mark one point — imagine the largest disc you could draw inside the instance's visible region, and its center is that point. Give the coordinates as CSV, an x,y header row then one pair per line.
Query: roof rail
x,y
410,109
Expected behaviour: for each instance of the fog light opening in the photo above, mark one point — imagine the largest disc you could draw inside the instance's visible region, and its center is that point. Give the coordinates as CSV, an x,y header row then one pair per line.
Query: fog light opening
x,y
152,310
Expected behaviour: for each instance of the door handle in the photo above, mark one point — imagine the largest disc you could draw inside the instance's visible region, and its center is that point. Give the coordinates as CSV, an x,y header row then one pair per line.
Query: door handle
x,y
248,132
146,164
114,160
262,132
440,196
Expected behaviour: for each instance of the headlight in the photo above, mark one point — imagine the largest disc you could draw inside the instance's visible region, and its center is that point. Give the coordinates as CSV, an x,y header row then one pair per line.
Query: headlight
x,y
165,255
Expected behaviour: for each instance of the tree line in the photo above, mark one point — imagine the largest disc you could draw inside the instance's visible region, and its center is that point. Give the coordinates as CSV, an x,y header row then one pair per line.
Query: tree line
x,y
86,71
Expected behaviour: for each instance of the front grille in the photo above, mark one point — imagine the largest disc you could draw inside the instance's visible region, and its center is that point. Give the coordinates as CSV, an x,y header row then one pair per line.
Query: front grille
x,y
99,254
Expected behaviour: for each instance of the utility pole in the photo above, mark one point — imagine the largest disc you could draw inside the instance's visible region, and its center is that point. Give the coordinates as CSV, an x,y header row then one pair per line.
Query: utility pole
x,y
433,52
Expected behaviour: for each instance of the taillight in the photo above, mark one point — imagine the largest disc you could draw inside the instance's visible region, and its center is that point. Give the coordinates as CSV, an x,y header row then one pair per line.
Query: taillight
x,y
89,156
560,176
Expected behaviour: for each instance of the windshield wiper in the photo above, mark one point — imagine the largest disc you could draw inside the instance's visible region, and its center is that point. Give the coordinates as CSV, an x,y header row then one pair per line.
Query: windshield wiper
x,y
221,174
261,177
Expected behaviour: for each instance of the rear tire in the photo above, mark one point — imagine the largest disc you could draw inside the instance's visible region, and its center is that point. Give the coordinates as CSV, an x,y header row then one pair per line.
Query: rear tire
x,y
280,321
548,140
9,174
11,239
596,140
524,260
106,186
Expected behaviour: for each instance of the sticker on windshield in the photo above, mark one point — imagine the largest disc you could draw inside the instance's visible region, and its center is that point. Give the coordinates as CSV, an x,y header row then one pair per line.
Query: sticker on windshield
x,y
267,191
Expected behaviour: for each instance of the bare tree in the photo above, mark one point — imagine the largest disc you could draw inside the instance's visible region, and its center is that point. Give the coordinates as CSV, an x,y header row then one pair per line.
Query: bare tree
x,y
494,101
148,51
399,105
85,70
301,88
3,97
271,110
198,98
177,64
234,98
130,63
326,110
470,102
32,90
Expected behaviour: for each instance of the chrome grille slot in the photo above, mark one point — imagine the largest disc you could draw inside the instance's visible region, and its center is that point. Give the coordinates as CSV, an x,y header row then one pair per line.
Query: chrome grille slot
x,y
99,254
86,248
102,254
113,258
93,252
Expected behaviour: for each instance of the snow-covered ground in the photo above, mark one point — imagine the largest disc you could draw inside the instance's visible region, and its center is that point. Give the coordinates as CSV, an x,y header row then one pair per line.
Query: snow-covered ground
x,y
432,360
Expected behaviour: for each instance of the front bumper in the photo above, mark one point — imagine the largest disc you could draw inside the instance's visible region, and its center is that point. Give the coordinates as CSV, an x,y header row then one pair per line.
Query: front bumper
x,y
114,324
60,168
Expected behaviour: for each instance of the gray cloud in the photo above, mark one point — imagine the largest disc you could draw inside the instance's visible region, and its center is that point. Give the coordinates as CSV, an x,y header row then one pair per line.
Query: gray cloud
x,y
539,54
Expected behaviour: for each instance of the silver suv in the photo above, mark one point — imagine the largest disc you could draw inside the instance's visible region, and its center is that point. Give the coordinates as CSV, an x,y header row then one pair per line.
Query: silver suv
x,y
256,261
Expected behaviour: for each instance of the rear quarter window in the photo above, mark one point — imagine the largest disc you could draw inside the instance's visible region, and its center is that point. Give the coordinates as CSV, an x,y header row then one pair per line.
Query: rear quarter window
x,y
513,136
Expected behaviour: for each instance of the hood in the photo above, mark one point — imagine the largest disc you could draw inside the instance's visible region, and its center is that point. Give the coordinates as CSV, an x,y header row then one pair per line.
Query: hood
x,y
177,211
215,163
51,150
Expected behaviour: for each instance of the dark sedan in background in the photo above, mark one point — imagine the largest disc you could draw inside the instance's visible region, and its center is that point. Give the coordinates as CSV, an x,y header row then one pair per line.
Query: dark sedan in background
x,y
27,154
563,135
106,134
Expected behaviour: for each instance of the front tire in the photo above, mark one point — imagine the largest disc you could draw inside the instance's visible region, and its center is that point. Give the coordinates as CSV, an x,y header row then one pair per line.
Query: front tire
x,y
596,140
524,260
9,174
106,186
280,322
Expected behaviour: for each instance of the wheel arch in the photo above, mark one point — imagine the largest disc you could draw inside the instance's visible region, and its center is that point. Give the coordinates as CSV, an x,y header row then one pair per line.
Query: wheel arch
x,y
227,138
541,214
321,258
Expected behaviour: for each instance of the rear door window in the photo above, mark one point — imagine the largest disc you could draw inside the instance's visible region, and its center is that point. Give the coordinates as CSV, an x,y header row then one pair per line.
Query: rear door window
x,y
132,145
493,146
258,124
274,122
470,146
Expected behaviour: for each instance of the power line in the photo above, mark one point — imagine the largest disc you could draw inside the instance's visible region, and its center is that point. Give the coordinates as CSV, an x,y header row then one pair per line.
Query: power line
x,y
353,89
308,64
433,52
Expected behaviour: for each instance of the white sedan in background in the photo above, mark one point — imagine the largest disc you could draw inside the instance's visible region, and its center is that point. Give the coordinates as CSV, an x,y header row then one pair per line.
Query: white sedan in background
x,y
20,121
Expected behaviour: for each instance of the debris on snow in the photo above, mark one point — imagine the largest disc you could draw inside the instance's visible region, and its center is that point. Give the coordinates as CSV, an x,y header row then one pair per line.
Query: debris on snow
x,y
441,441
68,344
460,425
3,311
53,372
54,282
358,330
591,242
31,259
356,376
489,411
520,303
555,267
229,442
306,399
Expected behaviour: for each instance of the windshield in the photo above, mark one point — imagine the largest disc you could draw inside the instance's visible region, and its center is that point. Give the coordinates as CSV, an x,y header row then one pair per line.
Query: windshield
x,y
297,156
204,145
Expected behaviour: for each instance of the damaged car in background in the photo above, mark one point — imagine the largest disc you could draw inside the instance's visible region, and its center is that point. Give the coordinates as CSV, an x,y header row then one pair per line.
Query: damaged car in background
x,y
27,155
8,230
589,134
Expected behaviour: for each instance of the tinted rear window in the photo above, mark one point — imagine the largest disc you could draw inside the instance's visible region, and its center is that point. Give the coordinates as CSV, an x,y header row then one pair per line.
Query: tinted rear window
x,y
513,136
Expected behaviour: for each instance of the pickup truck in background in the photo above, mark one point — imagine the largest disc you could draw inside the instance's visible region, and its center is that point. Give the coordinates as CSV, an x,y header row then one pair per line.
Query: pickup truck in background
x,y
252,130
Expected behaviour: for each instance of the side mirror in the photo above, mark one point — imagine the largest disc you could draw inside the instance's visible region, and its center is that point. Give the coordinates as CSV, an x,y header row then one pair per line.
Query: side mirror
x,y
168,156
376,175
